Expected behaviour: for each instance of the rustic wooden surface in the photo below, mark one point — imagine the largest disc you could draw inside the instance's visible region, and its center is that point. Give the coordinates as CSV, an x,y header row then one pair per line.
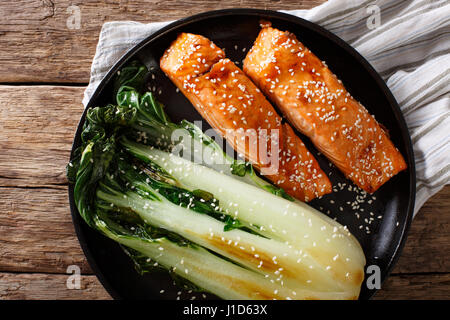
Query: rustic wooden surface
x,y
44,67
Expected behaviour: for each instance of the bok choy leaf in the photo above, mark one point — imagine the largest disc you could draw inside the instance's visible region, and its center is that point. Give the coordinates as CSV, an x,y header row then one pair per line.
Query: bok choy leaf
x,y
214,225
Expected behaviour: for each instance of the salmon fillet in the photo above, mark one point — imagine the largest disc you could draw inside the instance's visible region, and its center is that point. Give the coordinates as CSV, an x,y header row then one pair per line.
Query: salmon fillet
x,y
237,109
315,102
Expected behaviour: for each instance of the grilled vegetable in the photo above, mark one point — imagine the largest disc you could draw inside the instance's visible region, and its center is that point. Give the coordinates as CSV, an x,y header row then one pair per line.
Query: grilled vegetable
x,y
221,234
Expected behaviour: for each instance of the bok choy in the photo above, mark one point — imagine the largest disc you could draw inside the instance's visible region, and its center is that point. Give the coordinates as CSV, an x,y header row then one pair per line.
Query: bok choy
x,y
214,225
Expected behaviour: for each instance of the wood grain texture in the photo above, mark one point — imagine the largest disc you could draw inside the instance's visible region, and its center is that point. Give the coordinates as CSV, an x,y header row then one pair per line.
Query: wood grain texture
x,y
53,286
35,286
36,232
416,287
428,245
38,46
37,125
26,245
37,131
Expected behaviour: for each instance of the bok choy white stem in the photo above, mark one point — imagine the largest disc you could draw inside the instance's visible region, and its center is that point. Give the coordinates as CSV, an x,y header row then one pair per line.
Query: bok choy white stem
x,y
222,232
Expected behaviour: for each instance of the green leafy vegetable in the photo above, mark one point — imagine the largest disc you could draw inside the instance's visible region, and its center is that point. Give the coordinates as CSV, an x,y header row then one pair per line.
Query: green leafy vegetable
x,y
218,227
132,75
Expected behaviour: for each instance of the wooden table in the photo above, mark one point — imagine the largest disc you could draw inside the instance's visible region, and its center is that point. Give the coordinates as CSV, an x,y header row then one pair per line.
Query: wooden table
x,y
44,68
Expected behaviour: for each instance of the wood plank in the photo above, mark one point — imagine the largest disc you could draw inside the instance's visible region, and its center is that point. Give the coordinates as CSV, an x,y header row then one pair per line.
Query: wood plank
x,y
34,286
53,286
36,232
26,245
428,245
37,132
416,287
37,125
38,46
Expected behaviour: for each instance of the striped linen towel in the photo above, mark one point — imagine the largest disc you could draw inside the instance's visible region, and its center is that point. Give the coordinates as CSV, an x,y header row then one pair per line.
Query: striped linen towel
x,y
407,42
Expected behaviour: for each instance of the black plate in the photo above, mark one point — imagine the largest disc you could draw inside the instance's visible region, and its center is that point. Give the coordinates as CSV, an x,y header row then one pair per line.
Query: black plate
x,y
388,212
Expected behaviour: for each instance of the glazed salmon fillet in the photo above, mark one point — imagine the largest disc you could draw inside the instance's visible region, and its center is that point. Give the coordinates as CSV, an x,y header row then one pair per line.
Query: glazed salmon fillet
x,y
316,103
236,108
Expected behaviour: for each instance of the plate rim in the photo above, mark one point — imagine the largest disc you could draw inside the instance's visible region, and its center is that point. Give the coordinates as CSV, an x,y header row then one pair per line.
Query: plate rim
x,y
268,14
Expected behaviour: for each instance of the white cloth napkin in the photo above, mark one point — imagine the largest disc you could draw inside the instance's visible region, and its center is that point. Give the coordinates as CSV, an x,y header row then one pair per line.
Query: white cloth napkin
x,y
407,42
